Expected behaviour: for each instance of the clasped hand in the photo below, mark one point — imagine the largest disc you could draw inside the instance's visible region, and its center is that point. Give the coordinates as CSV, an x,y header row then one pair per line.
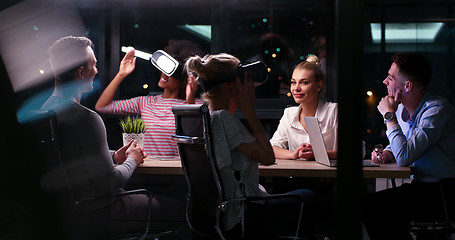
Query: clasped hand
x,y
132,149
304,151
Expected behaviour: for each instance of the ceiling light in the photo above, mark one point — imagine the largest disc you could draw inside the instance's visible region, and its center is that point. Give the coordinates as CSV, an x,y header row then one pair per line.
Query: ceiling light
x,y
203,31
406,32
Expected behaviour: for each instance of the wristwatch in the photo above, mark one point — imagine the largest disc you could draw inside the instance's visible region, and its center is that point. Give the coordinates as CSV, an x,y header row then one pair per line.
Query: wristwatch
x,y
388,116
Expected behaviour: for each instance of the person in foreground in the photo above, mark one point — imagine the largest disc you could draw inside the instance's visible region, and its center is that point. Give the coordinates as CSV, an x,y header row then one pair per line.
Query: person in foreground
x,y
291,140
91,167
421,134
237,151
156,110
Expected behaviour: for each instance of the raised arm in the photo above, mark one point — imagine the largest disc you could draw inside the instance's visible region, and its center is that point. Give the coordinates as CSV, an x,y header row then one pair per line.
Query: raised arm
x,y
259,150
127,66
191,88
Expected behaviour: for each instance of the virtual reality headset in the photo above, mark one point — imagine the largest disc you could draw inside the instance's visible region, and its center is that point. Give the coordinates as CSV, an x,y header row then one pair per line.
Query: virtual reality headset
x,y
257,71
161,60
166,64
171,67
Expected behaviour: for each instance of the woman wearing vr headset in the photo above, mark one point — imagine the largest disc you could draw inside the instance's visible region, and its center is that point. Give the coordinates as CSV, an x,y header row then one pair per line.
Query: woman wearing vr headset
x,y
156,111
238,151
291,140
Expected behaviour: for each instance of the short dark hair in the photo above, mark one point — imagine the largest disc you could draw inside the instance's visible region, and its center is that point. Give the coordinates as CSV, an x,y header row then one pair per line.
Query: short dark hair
x,y
66,55
415,66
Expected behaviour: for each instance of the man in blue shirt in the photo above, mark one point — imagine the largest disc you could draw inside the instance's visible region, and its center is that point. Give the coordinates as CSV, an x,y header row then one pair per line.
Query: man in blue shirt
x,y
421,133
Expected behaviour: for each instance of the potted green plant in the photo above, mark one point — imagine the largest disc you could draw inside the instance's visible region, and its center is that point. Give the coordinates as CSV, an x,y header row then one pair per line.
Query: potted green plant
x,y
133,128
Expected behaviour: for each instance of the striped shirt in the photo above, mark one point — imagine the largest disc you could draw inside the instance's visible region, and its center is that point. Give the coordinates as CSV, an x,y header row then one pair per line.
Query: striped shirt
x,y
156,112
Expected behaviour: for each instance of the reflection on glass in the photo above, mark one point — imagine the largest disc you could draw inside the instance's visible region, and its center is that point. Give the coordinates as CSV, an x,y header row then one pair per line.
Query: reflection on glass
x,y
406,32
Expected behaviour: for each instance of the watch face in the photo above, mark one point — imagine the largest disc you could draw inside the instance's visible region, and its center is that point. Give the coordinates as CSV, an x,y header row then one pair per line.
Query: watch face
x,y
388,116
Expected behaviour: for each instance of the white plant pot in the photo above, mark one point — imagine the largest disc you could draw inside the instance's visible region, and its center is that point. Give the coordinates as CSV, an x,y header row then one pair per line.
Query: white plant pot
x,y
139,137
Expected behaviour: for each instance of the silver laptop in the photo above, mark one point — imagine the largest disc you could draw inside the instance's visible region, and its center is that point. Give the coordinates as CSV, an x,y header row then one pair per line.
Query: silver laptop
x,y
318,145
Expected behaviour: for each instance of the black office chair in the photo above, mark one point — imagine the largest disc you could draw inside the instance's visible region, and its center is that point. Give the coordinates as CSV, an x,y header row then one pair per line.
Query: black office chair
x,y
446,228
77,222
206,200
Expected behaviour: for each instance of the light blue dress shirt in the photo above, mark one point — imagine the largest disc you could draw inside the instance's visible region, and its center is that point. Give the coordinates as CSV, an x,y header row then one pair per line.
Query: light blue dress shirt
x,y
426,142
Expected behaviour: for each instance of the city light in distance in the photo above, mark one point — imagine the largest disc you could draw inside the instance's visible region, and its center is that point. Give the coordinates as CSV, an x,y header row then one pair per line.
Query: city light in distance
x,y
145,86
369,93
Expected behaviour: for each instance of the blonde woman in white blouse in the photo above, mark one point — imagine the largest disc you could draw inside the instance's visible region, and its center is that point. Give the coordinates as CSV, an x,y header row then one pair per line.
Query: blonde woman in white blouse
x,y
291,140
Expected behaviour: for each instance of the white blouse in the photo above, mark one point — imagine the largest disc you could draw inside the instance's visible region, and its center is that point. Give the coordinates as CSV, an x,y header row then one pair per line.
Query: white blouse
x,y
290,133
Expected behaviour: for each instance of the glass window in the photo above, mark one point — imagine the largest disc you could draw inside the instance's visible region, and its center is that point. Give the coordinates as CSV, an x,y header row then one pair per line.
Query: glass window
x,y
279,33
426,29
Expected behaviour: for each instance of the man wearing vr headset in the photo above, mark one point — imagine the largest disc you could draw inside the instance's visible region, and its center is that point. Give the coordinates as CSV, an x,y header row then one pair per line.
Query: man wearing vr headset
x,y
156,110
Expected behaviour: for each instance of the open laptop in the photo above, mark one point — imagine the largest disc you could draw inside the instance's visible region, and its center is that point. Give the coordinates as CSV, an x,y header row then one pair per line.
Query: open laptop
x,y
318,145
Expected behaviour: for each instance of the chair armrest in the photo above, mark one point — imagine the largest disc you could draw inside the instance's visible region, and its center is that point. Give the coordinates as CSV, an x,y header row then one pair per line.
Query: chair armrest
x,y
187,139
273,196
259,198
110,195
120,194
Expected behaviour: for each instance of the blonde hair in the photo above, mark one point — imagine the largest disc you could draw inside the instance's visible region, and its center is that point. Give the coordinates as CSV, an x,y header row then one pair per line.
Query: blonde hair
x,y
212,68
313,63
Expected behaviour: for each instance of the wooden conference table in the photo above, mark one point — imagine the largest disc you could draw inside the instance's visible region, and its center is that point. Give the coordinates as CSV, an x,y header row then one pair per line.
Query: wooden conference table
x,y
282,168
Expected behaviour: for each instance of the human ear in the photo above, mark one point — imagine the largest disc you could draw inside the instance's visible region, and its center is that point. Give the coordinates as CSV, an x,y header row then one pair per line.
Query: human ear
x,y
80,72
408,85
320,85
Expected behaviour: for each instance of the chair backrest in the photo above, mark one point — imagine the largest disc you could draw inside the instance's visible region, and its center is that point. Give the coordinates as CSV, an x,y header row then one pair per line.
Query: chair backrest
x,y
194,139
42,130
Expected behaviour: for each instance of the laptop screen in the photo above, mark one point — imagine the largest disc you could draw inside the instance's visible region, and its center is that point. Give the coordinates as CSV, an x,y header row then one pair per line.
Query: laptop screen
x,y
316,140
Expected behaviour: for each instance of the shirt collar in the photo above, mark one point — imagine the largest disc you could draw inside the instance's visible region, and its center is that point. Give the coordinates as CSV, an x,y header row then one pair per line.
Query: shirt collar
x,y
422,102
295,120
319,110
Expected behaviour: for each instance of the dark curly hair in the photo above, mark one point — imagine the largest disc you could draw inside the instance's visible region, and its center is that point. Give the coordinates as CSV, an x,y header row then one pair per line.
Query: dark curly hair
x,y
181,50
